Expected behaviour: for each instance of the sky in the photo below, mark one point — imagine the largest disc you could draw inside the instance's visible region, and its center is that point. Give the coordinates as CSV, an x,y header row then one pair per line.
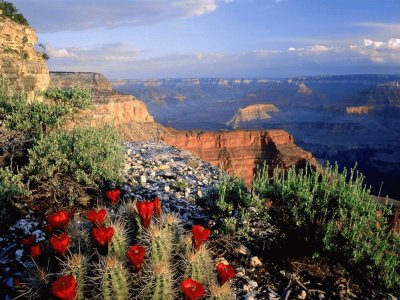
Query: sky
x,y
143,39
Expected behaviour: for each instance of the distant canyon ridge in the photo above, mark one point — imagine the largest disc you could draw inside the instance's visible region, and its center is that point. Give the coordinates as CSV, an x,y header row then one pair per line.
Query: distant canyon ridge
x,y
348,119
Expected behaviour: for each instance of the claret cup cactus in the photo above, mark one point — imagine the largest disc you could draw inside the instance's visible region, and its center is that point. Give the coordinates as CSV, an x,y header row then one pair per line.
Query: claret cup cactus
x,y
138,252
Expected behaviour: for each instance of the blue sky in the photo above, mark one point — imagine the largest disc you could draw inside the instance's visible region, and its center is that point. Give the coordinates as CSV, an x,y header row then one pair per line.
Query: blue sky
x,y
218,38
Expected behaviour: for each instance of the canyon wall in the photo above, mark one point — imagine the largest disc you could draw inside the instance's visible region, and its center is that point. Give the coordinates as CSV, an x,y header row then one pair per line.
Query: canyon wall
x,y
87,80
21,65
239,152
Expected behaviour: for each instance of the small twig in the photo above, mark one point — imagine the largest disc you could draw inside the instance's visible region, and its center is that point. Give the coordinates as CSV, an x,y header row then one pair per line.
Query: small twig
x,y
287,291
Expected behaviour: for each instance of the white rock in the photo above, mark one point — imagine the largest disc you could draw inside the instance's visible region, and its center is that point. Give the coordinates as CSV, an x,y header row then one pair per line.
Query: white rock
x,y
167,188
255,261
143,179
242,249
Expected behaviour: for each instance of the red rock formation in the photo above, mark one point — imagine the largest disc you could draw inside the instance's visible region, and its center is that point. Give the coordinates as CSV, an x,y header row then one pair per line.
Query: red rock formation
x,y
239,152
359,110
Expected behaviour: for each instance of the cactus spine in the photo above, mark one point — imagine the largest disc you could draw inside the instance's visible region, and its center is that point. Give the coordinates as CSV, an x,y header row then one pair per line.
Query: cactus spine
x,y
119,242
114,279
160,272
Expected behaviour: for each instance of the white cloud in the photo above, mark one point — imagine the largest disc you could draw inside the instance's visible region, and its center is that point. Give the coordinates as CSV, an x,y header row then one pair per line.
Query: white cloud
x,y
59,52
379,51
124,61
53,16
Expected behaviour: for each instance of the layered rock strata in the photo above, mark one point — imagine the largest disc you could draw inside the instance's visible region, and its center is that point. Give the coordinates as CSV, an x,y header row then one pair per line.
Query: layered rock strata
x,y
110,106
21,65
240,152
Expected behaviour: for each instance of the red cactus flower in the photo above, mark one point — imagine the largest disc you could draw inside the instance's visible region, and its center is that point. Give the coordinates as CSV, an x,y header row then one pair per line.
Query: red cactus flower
x,y
200,235
29,241
102,235
96,217
64,288
157,206
136,255
59,220
60,243
192,290
113,195
145,210
35,251
225,272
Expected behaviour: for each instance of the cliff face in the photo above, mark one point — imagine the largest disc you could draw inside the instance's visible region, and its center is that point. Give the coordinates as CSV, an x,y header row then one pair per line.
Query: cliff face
x,y
21,65
253,112
89,80
239,152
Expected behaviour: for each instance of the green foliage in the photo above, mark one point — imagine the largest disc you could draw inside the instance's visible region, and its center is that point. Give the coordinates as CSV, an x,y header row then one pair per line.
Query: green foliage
x,y
73,97
333,209
32,119
11,186
233,194
45,56
37,118
91,155
230,202
8,10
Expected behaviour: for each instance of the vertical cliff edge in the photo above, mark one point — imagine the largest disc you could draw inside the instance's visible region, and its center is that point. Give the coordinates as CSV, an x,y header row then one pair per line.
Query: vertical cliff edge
x,y
240,152
21,65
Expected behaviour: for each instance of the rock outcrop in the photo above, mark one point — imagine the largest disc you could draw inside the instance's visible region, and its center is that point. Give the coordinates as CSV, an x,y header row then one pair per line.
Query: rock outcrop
x,y
96,82
239,152
250,113
20,64
110,106
359,110
303,89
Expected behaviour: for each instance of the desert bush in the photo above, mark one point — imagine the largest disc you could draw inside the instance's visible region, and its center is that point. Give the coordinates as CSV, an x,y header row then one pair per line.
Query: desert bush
x,y
230,201
91,155
37,118
73,97
33,119
11,185
335,211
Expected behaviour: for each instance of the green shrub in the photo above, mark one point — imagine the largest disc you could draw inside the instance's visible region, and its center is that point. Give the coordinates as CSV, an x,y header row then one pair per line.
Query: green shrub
x,y
232,194
36,118
11,186
33,119
230,202
335,211
73,97
91,155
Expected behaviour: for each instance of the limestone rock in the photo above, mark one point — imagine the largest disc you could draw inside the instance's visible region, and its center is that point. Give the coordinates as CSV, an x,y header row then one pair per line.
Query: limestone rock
x,y
20,64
